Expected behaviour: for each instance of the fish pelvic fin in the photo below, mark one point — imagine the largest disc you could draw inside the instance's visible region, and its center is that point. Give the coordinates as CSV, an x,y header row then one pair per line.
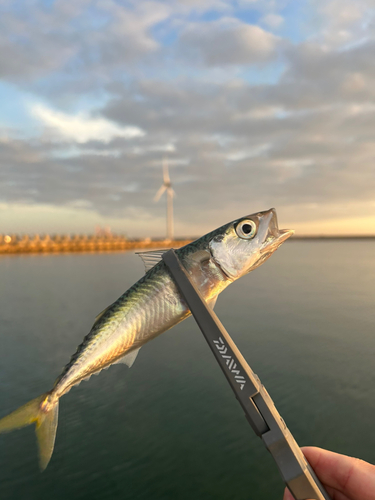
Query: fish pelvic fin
x,y
44,413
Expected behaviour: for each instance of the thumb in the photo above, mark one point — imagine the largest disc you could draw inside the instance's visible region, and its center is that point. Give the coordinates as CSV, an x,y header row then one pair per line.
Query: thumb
x,y
287,495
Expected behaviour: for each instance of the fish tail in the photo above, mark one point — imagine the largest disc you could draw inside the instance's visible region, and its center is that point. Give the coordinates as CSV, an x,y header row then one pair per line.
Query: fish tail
x,y
43,411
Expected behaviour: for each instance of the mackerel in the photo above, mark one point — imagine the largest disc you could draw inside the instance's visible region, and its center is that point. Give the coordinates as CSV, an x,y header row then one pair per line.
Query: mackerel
x,y
150,307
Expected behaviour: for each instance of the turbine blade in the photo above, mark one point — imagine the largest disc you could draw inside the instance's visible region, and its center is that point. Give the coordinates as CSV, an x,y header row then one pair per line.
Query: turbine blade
x,y
160,193
172,192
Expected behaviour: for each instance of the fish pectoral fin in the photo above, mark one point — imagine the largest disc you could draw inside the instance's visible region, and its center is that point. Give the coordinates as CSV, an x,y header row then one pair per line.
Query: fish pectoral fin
x,y
128,359
150,259
211,303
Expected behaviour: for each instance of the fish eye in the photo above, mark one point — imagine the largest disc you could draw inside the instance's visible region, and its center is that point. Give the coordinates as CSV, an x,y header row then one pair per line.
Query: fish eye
x,y
246,229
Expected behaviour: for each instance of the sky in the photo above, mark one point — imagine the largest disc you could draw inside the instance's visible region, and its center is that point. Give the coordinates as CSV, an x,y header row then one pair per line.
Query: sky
x,y
254,103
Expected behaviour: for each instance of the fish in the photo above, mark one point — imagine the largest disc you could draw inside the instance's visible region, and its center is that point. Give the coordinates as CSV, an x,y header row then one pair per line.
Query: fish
x,y
149,308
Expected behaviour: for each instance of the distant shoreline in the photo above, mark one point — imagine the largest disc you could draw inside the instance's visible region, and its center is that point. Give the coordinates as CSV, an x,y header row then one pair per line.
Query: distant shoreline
x,y
13,244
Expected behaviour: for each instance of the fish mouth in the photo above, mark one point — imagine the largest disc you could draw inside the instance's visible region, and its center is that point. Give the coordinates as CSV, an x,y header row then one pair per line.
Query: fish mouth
x,y
284,234
273,236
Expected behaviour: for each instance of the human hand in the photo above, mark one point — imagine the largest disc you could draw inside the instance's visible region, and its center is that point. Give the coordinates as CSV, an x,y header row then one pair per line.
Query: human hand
x,y
345,478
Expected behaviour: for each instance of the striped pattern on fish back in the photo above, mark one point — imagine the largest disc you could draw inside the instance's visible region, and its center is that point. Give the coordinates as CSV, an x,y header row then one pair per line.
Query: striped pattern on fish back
x,y
148,308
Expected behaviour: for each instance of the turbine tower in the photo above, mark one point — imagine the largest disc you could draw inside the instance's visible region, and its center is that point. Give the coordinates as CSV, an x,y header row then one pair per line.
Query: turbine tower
x,y
167,186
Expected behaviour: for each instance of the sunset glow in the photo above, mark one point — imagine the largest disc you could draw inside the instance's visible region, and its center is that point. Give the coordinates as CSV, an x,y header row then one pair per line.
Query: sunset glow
x,y
254,103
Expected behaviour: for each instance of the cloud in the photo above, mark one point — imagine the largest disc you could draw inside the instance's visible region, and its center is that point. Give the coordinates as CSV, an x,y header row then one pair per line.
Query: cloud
x,y
81,127
272,20
227,41
31,36
36,41
344,21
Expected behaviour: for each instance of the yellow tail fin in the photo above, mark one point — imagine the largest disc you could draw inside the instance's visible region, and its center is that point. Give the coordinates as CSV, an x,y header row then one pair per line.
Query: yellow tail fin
x,y
44,414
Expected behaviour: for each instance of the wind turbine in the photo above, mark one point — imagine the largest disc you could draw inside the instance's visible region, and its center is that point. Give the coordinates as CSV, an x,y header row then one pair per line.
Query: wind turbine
x,y
167,186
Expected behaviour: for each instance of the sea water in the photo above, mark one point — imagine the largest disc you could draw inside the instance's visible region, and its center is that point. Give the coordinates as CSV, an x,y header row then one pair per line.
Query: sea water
x,y
170,427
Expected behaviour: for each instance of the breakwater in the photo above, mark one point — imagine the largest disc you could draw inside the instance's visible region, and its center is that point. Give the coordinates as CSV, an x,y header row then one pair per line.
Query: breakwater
x,y
15,244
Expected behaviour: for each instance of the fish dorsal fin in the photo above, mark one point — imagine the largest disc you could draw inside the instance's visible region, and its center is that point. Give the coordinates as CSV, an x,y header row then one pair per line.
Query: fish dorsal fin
x,y
128,359
151,258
